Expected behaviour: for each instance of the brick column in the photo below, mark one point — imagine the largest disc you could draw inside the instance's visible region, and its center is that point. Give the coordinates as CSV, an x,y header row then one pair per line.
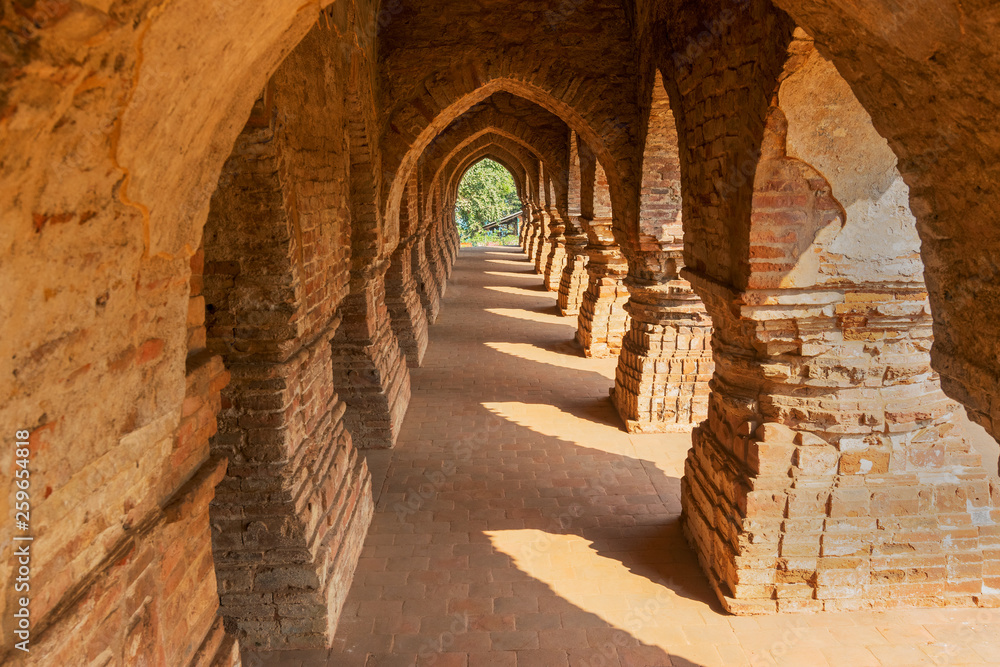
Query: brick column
x,y
543,244
409,321
435,262
368,367
290,517
427,290
556,258
444,248
603,320
534,231
573,282
831,473
454,242
532,234
661,383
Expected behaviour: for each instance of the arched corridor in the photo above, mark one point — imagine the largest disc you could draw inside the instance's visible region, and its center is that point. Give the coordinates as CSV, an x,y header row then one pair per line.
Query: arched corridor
x,y
757,306
516,523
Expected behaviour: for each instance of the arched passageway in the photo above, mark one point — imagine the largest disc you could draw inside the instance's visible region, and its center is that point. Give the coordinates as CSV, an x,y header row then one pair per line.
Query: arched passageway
x,y
228,233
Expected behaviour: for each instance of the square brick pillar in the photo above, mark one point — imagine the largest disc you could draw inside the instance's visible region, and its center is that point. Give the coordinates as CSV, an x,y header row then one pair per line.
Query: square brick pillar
x,y
290,517
447,258
661,383
555,261
409,321
573,282
543,244
430,297
435,262
530,230
603,320
369,370
534,231
830,473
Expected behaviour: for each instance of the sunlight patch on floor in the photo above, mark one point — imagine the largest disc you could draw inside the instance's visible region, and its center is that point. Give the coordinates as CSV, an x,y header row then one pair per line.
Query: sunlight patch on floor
x,y
512,274
516,262
563,360
554,422
649,611
530,316
666,451
519,291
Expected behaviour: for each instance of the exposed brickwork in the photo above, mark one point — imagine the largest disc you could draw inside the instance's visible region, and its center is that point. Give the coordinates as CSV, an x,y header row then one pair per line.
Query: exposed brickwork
x,y
941,158
666,361
573,281
409,320
542,244
665,364
603,320
555,261
435,264
862,491
118,119
369,369
290,515
430,297
292,512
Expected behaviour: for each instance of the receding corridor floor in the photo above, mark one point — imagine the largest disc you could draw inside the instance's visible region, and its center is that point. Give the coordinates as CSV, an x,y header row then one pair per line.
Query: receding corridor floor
x,y
518,524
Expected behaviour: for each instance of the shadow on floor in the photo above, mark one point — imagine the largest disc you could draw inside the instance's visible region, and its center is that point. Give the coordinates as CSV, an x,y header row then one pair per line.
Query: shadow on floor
x,y
517,523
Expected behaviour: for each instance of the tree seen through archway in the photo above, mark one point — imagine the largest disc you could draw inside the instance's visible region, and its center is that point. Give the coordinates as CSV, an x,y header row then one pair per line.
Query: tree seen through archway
x,y
486,194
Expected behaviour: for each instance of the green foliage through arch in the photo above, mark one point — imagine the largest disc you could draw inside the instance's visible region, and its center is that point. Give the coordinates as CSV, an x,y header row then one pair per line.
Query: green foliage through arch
x,y
487,193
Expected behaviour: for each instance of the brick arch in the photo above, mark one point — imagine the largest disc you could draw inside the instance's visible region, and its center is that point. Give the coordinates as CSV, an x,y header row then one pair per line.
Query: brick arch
x,y
506,115
521,158
717,158
493,152
539,131
400,155
487,148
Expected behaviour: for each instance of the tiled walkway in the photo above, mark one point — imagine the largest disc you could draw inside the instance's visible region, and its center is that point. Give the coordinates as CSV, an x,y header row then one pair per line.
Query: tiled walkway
x,y
517,524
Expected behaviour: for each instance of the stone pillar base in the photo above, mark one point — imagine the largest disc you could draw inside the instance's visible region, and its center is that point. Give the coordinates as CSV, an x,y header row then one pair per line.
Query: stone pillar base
x,y
832,473
574,279
603,320
572,286
661,383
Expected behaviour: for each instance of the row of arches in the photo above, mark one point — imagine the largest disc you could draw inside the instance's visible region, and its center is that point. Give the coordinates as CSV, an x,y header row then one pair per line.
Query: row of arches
x,y
231,229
